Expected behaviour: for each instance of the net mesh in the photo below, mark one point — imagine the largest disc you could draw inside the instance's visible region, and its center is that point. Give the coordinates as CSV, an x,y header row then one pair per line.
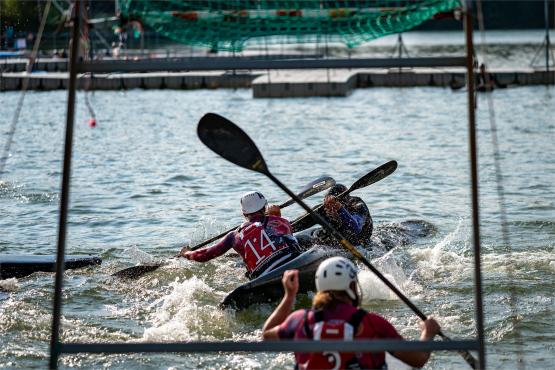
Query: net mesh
x,y
231,25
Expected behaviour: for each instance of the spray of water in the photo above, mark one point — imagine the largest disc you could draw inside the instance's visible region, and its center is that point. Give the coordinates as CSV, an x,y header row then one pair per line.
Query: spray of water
x,y
374,289
188,312
9,285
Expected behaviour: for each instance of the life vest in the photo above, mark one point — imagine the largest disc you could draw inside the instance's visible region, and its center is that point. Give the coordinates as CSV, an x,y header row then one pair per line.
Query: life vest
x,y
336,329
354,206
261,240
357,206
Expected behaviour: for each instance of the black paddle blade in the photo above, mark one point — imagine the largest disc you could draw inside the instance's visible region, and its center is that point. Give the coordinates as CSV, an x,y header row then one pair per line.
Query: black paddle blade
x,y
135,272
226,139
376,175
316,186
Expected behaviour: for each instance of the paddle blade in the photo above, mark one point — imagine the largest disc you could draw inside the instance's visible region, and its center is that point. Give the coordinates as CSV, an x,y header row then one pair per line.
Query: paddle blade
x,y
228,140
316,186
135,272
376,175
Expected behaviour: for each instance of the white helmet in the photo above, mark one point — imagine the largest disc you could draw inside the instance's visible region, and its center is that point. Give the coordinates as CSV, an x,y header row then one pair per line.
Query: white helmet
x,y
252,202
336,273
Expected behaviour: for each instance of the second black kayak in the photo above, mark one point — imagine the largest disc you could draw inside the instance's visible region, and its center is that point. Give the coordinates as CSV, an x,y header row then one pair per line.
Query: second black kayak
x,y
18,266
268,288
386,236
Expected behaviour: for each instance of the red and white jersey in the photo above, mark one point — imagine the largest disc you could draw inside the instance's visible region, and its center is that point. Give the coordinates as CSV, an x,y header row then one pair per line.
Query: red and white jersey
x,y
336,324
261,239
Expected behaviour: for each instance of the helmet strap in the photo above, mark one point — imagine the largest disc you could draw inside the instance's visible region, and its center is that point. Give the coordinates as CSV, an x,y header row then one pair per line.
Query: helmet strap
x,y
357,291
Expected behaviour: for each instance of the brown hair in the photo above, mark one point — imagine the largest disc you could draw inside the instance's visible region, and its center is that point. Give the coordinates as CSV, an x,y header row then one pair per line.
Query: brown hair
x,y
250,216
328,299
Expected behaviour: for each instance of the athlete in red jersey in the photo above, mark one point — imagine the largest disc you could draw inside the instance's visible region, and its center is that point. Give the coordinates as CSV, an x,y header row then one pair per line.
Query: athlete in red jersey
x,y
335,315
265,241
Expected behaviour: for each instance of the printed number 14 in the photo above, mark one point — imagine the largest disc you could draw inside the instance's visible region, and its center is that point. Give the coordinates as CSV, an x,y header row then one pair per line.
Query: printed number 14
x,y
265,242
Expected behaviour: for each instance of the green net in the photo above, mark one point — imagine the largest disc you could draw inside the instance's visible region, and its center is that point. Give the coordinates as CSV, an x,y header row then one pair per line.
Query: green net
x,y
233,24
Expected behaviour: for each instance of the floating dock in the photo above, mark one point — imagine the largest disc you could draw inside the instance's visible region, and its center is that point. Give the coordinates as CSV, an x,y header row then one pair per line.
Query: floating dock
x,y
52,75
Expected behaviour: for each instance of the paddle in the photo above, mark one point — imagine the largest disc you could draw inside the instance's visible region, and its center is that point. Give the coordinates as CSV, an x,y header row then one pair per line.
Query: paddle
x,y
230,142
305,221
312,188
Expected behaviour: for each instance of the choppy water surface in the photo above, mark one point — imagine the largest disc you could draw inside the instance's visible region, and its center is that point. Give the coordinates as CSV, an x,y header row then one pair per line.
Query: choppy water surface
x,y
143,185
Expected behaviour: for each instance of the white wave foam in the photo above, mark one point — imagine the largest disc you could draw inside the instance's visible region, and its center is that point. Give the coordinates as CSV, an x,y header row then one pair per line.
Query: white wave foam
x,y
243,362
452,260
9,285
517,262
184,315
205,228
373,288
440,259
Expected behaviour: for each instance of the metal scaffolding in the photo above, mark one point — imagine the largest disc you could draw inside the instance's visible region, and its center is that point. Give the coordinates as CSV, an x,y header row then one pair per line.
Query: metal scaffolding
x,y
57,347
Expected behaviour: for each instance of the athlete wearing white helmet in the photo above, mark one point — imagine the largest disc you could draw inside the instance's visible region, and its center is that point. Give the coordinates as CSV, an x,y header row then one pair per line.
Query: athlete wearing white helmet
x,y
264,241
335,315
253,202
337,274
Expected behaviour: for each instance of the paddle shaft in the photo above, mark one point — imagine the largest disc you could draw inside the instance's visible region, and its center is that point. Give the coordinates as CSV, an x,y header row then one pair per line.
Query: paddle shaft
x,y
347,245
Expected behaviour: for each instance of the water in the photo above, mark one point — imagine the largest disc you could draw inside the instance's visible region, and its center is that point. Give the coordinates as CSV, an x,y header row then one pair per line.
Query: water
x,y
143,185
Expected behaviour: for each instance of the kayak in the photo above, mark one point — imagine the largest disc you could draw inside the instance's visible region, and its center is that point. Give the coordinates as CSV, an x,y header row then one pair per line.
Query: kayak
x,y
385,237
18,266
268,288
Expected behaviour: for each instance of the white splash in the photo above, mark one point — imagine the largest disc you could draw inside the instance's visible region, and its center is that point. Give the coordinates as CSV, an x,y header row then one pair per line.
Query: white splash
x,y
243,362
205,228
439,259
373,288
181,315
451,260
9,285
518,262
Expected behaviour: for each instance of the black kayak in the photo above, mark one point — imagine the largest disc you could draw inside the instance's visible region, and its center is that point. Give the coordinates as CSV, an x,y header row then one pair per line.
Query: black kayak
x,y
268,288
18,266
386,236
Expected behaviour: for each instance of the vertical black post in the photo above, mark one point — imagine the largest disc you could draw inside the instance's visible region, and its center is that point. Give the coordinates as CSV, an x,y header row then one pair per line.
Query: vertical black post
x,y
547,41
474,177
1,43
66,175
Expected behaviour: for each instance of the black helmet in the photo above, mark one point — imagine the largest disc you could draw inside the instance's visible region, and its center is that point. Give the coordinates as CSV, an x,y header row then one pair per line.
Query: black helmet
x,y
337,189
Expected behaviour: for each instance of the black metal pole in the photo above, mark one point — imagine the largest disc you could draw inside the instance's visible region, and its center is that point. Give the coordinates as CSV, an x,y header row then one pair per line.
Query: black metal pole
x,y
547,41
66,175
474,178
